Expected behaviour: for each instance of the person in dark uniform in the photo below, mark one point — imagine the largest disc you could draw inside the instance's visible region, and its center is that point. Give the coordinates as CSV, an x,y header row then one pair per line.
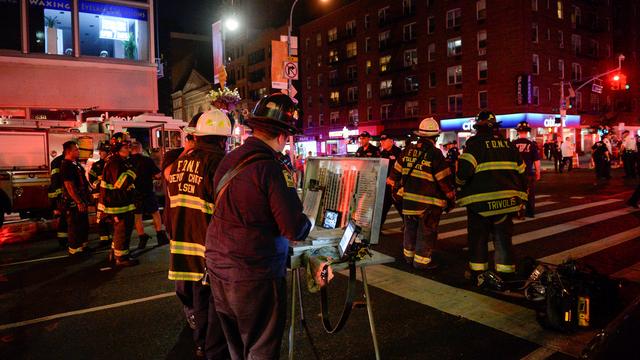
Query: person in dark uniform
x,y
453,154
601,159
147,203
55,198
257,212
529,152
366,149
95,177
75,196
191,195
392,152
493,185
117,199
556,155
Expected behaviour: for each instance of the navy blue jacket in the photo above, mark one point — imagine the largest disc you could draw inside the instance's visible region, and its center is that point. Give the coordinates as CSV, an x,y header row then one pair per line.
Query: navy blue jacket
x,y
254,218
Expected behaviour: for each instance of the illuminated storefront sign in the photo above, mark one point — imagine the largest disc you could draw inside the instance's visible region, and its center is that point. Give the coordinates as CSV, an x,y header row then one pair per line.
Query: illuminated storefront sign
x,y
510,121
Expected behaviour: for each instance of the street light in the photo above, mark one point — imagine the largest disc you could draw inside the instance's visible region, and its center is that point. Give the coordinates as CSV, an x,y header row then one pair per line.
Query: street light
x,y
231,23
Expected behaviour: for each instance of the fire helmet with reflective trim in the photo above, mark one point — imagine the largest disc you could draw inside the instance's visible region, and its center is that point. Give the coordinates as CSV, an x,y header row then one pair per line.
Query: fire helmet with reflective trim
x,y
276,112
118,140
486,119
523,126
212,122
429,127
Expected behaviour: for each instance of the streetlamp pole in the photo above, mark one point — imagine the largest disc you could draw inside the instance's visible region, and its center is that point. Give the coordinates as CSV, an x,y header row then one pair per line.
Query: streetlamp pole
x,y
289,29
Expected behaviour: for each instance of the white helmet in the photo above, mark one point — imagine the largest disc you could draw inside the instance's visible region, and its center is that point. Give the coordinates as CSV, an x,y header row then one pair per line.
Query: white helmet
x,y
212,122
428,127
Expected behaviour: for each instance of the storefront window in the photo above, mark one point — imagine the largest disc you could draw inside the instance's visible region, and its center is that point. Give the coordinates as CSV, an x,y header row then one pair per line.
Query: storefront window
x,y
10,20
113,31
50,27
52,114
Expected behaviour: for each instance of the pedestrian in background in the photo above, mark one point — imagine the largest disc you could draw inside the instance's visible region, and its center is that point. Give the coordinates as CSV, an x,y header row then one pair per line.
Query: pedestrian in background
x,y
191,197
392,152
529,152
147,202
556,155
629,152
76,198
366,149
567,149
299,165
257,212
601,159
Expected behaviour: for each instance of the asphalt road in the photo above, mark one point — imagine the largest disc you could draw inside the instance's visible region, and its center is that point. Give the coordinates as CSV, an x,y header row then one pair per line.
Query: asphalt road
x,y
52,306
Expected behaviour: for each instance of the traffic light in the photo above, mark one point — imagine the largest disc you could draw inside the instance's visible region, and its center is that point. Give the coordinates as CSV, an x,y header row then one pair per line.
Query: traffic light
x,y
619,82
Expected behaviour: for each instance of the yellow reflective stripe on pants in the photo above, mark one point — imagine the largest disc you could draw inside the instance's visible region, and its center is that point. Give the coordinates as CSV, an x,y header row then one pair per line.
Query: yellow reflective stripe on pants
x,y
470,158
398,167
424,199
55,194
498,165
116,210
55,171
73,251
495,195
191,202
63,235
412,212
120,252
185,276
460,182
443,174
104,237
408,253
421,259
186,248
478,266
505,268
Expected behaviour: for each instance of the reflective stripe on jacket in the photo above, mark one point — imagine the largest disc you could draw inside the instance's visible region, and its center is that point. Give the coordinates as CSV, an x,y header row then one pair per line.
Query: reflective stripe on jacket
x,y
117,192
492,176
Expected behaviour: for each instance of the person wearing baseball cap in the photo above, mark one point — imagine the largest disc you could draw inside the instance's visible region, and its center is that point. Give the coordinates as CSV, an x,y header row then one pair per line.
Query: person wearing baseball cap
x,y
366,149
389,151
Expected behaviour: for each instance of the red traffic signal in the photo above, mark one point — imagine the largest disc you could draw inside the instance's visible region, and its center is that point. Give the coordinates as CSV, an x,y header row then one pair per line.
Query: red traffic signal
x,y
619,82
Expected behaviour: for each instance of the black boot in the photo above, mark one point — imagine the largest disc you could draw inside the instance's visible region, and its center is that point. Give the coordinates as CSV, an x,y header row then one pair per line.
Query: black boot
x,y
125,261
162,238
143,241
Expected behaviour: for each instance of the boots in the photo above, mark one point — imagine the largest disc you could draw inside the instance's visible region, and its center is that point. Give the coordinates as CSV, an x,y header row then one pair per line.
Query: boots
x,y
124,261
163,239
143,241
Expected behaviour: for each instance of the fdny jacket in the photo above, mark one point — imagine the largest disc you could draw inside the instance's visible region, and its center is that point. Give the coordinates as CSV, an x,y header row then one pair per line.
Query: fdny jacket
x,y
492,176
191,195
55,187
95,177
254,218
429,182
117,190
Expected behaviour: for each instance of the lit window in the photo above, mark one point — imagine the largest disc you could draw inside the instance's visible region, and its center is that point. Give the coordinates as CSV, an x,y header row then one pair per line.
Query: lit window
x,y
334,97
454,46
352,49
483,72
481,9
333,56
431,52
410,57
453,18
411,84
319,60
353,116
385,63
368,67
535,64
51,30
454,75
455,103
386,88
560,14
332,34
483,99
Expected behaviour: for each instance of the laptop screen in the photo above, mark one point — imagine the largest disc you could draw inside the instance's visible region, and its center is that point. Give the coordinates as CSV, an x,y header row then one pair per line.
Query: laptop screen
x,y
349,233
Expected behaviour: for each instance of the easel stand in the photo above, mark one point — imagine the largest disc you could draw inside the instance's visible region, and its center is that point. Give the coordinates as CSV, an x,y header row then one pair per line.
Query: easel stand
x,y
296,294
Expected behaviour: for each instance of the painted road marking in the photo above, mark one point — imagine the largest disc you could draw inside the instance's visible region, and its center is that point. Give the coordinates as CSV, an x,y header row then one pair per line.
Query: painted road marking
x,y
571,225
85,311
454,233
46,259
577,197
540,353
632,273
593,247
497,314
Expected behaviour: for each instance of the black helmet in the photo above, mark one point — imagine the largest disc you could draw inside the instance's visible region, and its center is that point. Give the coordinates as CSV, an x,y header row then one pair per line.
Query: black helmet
x,y
118,140
104,146
523,126
276,111
486,118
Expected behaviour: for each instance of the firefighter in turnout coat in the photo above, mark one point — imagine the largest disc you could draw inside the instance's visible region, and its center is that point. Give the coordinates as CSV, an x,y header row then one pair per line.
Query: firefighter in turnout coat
x,y
95,177
117,196
55,197
424,180
493,184
191,196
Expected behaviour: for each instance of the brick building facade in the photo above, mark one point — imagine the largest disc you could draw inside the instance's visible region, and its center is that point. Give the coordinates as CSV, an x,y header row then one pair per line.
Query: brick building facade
x,y
378,65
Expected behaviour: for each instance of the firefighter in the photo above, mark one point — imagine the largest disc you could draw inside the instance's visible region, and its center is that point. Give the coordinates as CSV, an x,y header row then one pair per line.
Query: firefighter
x,y
95,177
117,196
191,195
491,175
426,186
256,212
392,152
55,197
147,202
453,154
529,152
367,149
75,197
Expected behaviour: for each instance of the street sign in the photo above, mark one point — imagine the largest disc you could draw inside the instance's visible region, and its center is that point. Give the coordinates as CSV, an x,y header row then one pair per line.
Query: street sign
x,y
596,88
291,70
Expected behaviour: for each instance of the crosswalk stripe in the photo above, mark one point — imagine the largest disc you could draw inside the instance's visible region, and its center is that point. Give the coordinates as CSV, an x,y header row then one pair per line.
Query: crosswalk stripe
x,y
464,218
570,225
497,314
593,247
459,232
631,273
